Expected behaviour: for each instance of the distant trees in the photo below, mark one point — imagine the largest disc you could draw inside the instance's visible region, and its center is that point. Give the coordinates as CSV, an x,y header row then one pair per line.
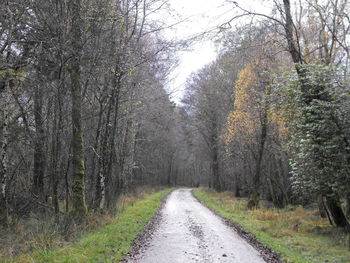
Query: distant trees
x,y
208,101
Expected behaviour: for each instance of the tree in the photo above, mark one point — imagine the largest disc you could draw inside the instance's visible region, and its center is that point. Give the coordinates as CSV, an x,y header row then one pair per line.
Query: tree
x,y
39,140
330,28
248,121
78,167
4,213
315,95
318,145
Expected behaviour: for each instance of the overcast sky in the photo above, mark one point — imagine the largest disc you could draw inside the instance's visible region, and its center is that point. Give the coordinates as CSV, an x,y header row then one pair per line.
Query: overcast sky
x,y
200,16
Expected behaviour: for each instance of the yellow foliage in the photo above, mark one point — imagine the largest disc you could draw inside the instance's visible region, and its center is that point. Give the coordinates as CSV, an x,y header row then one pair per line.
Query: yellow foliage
x,y
243,121
280,121
251,98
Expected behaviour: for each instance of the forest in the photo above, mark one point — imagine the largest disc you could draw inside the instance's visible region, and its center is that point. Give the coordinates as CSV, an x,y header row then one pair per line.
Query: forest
x,y
86,114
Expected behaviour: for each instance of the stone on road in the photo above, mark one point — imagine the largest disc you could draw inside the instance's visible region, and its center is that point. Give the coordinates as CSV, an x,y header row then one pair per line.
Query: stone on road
x,y
190,232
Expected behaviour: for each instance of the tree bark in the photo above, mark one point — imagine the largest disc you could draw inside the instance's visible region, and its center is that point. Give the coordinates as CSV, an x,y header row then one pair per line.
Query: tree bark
x,y
214,155
78,168
39,155
129,152
336,212
237,185
321,207
215,170
347,211
169,172
289,25
4,216
255,194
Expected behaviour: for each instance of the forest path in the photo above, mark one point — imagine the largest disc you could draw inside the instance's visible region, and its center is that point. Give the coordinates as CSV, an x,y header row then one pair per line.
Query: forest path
x,y
190,232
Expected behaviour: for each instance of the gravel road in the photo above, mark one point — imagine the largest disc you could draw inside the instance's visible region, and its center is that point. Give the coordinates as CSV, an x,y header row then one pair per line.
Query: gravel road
x,y
190,232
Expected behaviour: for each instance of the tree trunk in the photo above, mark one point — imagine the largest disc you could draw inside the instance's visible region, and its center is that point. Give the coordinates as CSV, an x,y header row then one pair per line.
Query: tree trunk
x,y
169,172
78,168
237,185
103,157
322,208
102,188
289,26
215,160
108,141
255,194
58,163
347,211
39,151
130,153
215,171
66,186
3,160
336,212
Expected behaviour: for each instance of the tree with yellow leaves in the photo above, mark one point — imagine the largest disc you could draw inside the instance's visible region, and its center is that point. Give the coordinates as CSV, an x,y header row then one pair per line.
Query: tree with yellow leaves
x,y
247,123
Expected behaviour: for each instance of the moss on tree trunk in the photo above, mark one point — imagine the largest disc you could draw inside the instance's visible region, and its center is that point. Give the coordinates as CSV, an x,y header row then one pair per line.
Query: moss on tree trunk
x,y
78,168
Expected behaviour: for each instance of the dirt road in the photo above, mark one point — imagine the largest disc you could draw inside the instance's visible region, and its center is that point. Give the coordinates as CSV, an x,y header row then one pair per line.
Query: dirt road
x,y
190,232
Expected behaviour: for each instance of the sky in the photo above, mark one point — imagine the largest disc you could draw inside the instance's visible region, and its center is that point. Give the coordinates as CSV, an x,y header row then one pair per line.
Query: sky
x,y
200,16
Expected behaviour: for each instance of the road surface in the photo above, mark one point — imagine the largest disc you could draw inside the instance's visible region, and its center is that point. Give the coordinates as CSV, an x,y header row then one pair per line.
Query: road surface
x,y
190,232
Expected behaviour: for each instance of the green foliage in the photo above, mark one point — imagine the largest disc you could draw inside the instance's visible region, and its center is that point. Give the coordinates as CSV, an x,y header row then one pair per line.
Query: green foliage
x,y
298,235
314,103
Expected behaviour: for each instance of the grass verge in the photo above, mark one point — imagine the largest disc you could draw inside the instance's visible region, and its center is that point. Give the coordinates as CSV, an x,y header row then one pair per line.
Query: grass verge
x,y
297,234
106,244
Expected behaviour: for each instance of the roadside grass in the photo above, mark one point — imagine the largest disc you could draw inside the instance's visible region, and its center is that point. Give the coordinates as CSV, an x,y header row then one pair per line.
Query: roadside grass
x,y
107,243
297,234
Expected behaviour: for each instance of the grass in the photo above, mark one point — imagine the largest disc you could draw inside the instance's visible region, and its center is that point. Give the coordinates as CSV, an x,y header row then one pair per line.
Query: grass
x,y
297,234
109,243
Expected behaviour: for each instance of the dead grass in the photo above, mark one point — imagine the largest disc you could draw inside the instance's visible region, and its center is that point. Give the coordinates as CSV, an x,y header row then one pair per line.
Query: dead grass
x,y
299,234
49,231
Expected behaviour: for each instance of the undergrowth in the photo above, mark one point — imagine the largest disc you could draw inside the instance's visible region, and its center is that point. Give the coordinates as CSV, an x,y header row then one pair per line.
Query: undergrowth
x,y
299,235
101,238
